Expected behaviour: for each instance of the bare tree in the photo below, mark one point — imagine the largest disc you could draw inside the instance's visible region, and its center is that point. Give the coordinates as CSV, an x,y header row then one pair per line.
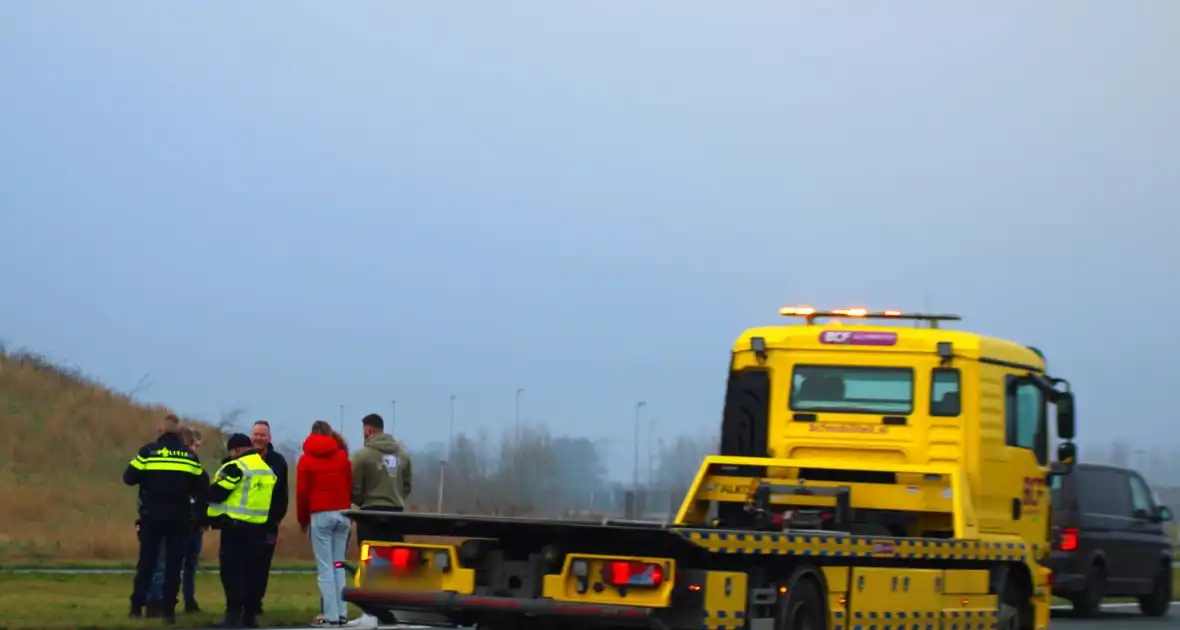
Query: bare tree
x,y
230,420
142,386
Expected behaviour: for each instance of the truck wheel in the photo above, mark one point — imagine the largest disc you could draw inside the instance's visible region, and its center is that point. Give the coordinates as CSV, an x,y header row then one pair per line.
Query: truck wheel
x,y
803,608
1009,617
1088,603
1157,604
1015,611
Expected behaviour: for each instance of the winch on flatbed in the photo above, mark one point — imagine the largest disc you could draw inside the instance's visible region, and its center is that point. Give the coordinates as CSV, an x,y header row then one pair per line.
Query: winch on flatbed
x,y
848,492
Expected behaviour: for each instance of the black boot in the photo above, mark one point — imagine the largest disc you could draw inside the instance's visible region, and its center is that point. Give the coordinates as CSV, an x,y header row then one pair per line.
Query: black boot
x,y
136,612
191,607
168,614
153,609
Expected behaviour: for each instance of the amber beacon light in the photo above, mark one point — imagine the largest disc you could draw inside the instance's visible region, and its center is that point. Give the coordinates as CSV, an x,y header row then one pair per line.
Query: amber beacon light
x,y
810,314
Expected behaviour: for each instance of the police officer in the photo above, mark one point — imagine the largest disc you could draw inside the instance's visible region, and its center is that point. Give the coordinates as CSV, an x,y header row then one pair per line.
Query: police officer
x,y
169,478
239,504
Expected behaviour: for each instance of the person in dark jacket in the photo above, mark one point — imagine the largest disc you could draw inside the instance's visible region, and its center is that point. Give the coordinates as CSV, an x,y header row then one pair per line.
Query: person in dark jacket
x,y
197,527
260,438
169,476
192,546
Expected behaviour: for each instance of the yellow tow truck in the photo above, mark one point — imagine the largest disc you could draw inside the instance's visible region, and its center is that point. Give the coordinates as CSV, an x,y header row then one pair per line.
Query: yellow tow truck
x,y
876,472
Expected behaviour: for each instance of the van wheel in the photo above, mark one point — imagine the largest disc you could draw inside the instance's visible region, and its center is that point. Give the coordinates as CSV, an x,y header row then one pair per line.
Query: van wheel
x,y
1157,604
1088,603
803,609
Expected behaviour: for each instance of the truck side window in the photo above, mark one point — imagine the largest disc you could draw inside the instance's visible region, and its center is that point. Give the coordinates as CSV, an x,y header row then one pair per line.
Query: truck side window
x,y
1026,424
1141,501
945,395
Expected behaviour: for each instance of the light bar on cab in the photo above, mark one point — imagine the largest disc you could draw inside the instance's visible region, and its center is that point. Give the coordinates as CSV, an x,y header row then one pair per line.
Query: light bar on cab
x,y
863,313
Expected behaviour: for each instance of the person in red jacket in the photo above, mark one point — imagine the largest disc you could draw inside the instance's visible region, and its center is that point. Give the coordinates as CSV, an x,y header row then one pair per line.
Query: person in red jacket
x,y
323,491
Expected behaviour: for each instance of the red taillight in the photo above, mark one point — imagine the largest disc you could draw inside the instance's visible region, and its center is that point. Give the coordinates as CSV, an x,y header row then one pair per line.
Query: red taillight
x,y
399,558
1069,539
620,573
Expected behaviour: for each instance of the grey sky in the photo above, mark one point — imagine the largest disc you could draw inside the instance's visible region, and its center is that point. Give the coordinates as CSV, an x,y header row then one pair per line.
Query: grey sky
x,y
292,205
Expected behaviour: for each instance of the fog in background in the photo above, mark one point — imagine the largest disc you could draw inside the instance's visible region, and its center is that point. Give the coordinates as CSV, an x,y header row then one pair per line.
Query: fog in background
x,y
283,207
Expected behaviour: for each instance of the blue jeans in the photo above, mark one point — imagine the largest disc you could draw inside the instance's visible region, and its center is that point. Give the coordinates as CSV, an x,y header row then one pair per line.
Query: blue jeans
x,y
192,553
329,539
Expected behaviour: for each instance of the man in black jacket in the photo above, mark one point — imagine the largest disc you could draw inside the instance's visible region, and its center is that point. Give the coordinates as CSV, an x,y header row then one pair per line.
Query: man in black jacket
x,y
260,438
169,476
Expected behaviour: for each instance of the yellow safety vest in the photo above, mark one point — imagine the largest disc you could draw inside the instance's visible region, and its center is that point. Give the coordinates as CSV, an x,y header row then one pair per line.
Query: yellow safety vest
x,y
251,494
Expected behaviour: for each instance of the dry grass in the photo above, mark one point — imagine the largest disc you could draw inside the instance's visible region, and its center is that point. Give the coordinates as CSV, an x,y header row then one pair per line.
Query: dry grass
x,y
68,439
67,442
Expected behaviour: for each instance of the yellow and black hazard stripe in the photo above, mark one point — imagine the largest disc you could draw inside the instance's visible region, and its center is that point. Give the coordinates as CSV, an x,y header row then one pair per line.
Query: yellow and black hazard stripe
x,y
837,546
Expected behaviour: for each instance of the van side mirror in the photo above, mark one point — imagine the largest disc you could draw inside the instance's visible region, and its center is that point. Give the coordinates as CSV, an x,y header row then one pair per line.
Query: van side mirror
x,y
1065,418
1067,456
1163,513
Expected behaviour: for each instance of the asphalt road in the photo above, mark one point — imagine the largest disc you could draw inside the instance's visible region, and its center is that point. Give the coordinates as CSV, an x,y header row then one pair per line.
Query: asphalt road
x,y
1115,617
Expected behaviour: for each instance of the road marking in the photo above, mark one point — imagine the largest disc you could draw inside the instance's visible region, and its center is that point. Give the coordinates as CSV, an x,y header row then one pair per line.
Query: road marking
x,y
1110,605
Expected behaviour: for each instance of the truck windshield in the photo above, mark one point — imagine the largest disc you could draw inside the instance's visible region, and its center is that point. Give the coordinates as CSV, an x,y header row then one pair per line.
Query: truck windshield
x,y
847,389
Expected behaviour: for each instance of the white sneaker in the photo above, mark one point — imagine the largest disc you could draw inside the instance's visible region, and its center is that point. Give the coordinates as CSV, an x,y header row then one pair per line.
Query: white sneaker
x,y
364,621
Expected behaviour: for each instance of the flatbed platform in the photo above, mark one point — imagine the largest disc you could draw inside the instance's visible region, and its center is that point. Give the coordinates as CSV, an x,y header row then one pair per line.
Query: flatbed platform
x,y
656,538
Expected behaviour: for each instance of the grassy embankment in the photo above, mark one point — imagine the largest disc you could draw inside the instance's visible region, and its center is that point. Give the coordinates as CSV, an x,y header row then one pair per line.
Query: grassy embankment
x,y
66,442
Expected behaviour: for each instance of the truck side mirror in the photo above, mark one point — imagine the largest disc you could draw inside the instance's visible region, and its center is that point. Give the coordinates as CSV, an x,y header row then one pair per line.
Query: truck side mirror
x,y
1065,418
1163,513
1067,456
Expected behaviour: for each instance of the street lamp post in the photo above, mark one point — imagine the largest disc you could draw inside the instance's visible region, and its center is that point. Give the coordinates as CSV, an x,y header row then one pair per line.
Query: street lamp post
x,y
651,443
516,459
516,416
635,475
393,417
451,440
442,480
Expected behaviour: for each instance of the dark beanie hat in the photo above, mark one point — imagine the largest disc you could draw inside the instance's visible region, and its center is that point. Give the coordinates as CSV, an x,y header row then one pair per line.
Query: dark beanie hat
x,y
239,440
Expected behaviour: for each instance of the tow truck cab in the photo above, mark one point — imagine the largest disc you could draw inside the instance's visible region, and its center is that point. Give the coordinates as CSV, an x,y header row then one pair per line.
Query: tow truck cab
x,y
841,399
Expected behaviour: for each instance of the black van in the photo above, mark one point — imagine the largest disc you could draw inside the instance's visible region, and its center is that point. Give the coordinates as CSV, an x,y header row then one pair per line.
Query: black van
x,y
1109,540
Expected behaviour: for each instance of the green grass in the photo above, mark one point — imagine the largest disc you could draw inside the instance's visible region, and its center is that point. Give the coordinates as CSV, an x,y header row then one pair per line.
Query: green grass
x,y
101,601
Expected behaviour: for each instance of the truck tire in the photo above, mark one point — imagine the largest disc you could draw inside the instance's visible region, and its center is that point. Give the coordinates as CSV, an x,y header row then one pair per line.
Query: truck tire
x,y
803,609
1015,612
1160,600
1009,617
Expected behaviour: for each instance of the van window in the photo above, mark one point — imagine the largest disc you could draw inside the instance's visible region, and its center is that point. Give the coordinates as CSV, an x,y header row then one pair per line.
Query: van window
x,y
945,397
1141,501
1026,425
1102,491
847,389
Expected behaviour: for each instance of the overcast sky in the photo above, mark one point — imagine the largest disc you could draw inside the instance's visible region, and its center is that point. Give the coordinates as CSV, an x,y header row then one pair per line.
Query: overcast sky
x,y
289,206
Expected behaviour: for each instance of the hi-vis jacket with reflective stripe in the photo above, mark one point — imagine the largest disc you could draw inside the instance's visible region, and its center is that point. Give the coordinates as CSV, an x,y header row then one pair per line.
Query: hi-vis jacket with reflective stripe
x,y
243,489
169,477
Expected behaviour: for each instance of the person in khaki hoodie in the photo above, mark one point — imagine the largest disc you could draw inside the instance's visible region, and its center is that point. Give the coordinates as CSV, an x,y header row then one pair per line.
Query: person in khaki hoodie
x,y
381,481
382,475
